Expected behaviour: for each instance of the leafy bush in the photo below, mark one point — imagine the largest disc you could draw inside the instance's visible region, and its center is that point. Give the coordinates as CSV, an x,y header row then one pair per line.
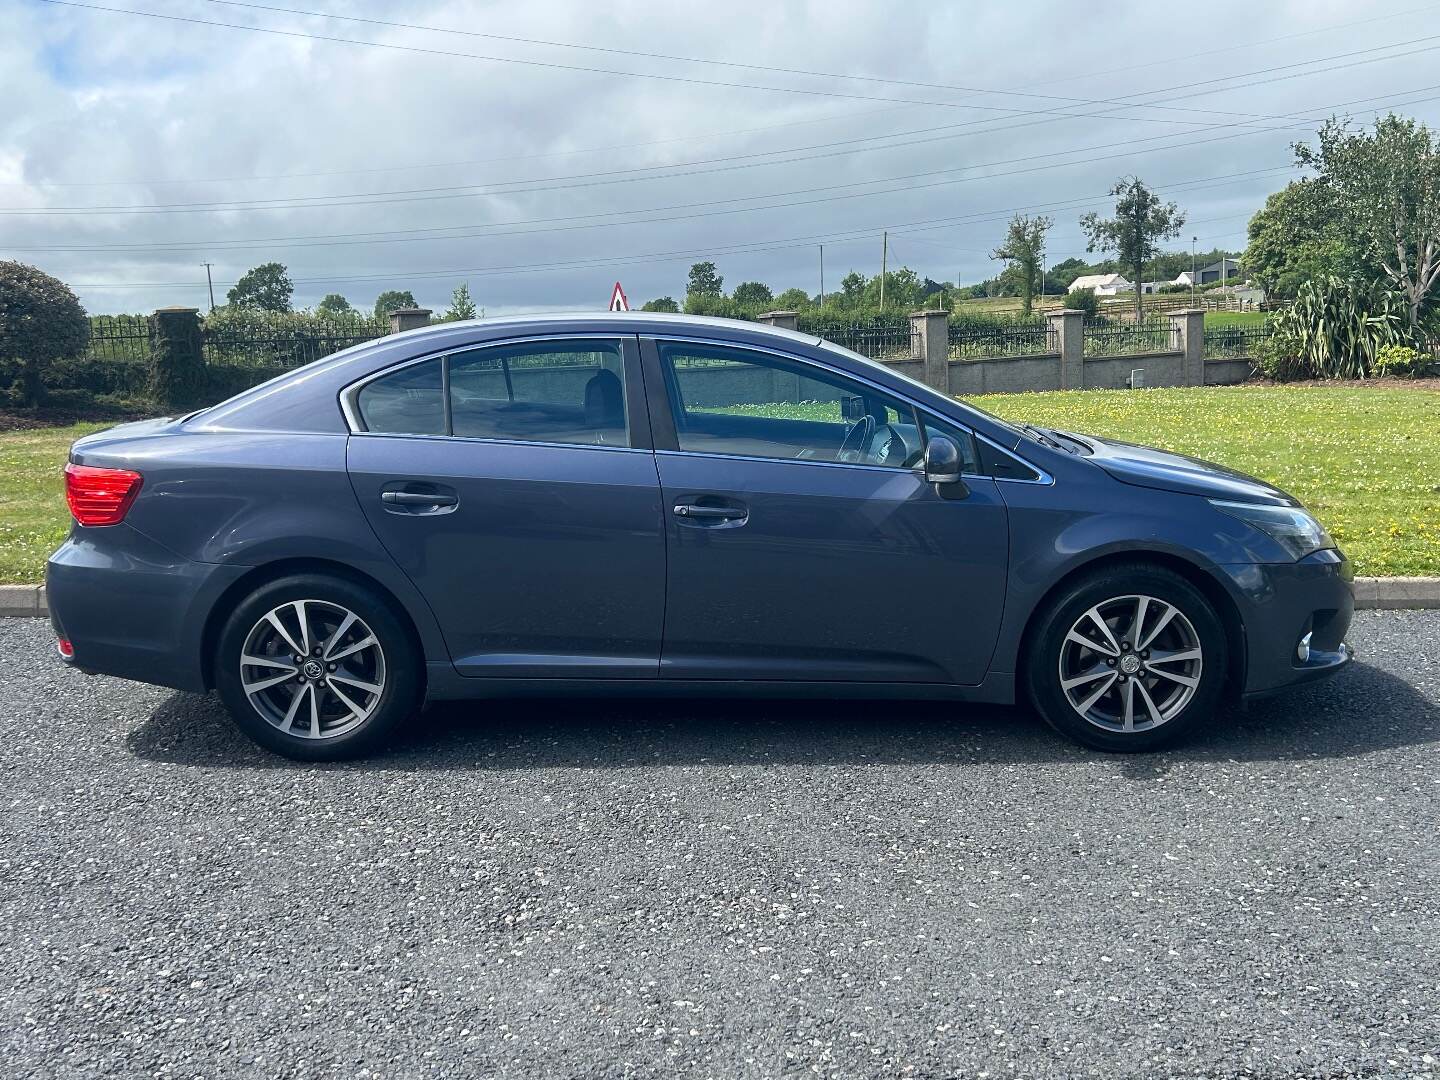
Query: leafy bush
x,y
1335,330
41,322
1083,300
1400,361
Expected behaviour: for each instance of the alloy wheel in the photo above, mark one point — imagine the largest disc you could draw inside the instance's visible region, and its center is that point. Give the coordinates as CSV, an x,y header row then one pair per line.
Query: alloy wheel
x,y
1130,663
313,669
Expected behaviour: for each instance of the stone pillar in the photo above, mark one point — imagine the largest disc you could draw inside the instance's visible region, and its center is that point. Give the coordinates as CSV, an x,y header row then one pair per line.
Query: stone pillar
x,y
930,342
785,320
1069,327
402,319
1188,328
177,358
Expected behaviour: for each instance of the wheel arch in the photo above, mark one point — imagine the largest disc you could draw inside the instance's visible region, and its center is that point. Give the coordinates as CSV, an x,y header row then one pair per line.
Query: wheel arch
x,y
273,571
1209,587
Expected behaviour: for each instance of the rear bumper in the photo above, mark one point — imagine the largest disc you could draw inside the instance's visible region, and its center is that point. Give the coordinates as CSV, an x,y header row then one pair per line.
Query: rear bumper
x,y
1280,604
131,607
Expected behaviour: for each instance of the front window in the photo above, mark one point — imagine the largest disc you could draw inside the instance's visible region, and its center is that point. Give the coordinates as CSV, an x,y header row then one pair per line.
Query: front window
x,y
735,401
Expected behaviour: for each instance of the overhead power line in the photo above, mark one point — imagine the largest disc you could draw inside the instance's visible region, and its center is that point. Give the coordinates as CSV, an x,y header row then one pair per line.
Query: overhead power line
x,y
716,83
569,223
410,167
771,69
543,183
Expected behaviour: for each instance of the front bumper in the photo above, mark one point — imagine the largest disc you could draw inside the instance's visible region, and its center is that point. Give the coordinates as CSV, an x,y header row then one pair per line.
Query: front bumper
x,y
131,607
1279,605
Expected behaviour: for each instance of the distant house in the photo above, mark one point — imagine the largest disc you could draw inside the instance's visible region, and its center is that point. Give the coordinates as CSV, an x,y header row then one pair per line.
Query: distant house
x,y
1216,271
1102,284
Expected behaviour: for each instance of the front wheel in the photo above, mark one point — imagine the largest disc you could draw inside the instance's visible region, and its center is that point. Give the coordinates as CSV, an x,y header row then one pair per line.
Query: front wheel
x,y
317,668
1130,658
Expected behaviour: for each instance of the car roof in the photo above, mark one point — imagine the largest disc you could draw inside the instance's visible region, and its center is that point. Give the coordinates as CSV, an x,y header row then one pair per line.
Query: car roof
x,y
625,322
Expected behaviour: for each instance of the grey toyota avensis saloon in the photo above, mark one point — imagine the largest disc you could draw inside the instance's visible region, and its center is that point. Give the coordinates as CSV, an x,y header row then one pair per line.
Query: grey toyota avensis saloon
x,y
630,504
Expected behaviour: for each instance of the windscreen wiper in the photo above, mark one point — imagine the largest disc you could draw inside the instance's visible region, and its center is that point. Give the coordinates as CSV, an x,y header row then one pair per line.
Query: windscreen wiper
x,y
1040,435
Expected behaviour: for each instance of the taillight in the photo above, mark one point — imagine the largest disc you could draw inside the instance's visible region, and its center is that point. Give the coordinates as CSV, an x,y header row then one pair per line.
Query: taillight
x,y
100,496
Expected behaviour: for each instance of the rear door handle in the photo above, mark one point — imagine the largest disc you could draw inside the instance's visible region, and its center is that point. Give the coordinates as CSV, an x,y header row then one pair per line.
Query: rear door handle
x,y
417,498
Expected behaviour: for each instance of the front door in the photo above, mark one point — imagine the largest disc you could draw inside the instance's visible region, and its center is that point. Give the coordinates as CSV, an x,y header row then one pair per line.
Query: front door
x,y
805,543
515,486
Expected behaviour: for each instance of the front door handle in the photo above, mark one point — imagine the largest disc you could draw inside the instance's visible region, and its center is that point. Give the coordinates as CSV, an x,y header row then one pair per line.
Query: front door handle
x,y
417,498
712,513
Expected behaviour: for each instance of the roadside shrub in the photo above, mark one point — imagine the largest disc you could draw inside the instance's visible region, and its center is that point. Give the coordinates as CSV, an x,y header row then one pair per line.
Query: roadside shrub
x,y
1400,361
1083,300
41,322
1335,330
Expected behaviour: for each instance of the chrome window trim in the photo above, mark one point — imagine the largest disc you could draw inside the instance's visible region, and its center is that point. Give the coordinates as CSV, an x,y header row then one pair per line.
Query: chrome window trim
x,y
888,470
1045,478
350,393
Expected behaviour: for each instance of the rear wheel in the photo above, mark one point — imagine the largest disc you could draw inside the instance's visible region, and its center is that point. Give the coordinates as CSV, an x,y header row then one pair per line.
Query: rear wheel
x,y
1130,658
317,668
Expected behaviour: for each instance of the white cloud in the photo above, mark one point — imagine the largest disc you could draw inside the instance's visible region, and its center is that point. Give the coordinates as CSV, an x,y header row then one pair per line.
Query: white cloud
x,y
178,113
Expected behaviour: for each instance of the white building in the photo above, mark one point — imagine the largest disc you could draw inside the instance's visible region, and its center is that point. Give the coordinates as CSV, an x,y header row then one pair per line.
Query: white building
x,y
1102,284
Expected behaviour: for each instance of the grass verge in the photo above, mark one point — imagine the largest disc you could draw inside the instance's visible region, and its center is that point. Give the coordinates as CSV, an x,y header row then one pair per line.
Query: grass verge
x,y
1362,458
33,515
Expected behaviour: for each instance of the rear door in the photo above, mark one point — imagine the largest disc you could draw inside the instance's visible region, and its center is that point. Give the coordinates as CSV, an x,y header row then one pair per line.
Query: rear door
x,y
515,485
805,543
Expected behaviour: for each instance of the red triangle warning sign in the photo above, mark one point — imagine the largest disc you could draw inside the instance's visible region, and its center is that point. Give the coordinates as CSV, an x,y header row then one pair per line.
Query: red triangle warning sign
x,y
618,302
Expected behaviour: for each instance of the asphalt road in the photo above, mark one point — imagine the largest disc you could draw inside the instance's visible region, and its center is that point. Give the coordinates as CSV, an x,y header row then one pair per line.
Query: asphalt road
x,y
729,890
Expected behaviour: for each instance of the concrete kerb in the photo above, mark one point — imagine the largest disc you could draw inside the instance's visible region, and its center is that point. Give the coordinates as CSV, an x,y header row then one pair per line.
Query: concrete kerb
x,y
1385,594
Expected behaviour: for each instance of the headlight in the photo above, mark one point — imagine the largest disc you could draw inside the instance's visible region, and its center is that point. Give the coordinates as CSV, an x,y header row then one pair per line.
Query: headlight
x,y
1289,526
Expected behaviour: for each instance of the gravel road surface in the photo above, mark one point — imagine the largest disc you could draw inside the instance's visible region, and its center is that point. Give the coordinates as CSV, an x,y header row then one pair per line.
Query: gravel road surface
x,y
662,889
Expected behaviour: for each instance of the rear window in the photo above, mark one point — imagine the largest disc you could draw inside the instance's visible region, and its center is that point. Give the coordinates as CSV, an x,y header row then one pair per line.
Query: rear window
x,y
410,401
569,391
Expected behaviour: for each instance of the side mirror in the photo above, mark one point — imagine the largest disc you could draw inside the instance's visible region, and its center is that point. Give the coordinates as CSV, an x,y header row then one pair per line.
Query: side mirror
x,y
943,467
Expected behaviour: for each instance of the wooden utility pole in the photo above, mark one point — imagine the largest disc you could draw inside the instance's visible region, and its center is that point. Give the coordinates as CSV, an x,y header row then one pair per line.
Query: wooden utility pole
x,y
884,264
821,302
209,285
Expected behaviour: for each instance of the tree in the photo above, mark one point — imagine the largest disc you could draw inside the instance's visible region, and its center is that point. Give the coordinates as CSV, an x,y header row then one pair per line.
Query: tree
x,y
461,306
792,300
662,303
1291,243
1023,249
1066,271
1141,221
1382,190
704,281
265,288
393,300
852,289
752,292
902,289
334,304
41,321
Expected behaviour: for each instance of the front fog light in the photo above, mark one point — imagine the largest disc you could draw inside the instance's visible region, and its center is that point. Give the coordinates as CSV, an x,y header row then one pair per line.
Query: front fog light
x,y
1302,651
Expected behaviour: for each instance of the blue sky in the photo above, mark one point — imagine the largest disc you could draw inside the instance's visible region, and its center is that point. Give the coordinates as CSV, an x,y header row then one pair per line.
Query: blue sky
x,y
136,148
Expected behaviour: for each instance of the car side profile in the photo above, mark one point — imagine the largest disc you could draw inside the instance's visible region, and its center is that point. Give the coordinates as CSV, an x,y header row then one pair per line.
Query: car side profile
x,y
658,504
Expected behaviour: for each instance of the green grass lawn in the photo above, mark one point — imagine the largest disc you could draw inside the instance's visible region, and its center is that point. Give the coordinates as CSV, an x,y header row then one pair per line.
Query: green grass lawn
x,y
33,515
1366,461
1220,320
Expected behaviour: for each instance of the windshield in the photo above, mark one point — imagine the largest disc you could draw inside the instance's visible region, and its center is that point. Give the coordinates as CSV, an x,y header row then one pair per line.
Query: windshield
x,y
1017,430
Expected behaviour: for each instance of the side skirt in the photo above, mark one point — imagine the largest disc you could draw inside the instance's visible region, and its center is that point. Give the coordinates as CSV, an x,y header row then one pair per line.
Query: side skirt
x,y
445,684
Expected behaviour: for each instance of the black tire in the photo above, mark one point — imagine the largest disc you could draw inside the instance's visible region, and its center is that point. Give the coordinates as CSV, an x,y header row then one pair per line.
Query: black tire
x,y
1115,589
402,684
